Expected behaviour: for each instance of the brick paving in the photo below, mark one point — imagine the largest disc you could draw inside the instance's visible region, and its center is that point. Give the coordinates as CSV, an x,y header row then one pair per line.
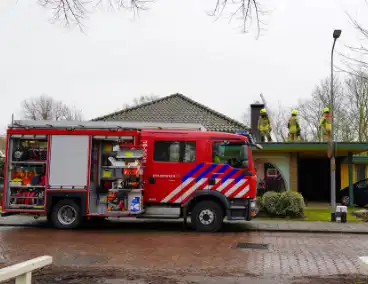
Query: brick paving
x,y
165,249
174,252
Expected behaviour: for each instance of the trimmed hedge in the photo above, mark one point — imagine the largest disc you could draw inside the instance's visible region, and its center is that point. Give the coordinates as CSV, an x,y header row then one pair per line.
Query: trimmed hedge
x,y
285,204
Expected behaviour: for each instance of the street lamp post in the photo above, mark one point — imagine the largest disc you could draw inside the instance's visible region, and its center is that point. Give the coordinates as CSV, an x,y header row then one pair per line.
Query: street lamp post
x,y
336,35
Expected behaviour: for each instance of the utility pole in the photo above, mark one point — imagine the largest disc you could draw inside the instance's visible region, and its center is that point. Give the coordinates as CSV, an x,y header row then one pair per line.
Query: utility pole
x,y
331,150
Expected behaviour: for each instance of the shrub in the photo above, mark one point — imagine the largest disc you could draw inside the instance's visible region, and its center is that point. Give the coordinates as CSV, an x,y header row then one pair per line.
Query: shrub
x,y
270,201
293,204
361,214
285,204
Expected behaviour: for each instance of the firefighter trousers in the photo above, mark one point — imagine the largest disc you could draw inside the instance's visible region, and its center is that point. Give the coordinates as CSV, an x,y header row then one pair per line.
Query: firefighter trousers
x,y
264,135
293,137
326,134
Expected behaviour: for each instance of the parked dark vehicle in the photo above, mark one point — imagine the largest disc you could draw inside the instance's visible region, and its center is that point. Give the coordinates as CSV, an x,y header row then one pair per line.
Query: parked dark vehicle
x,y
360,190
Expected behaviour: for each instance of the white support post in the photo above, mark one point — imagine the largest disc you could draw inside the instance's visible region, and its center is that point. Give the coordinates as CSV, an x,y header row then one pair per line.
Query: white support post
x,y
24,279
22,272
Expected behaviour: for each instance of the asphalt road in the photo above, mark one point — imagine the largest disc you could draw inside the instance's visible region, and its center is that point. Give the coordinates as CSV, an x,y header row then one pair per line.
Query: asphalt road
x,y
162,252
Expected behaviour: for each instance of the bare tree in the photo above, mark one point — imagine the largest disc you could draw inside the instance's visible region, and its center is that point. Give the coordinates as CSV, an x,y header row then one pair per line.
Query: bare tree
x,y
246,117
357,94
311,110
47,108
279,117
73,12
356,62
141,100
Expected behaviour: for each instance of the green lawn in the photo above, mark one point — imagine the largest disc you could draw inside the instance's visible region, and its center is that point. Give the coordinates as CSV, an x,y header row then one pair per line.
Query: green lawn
x,y
317,214
324,214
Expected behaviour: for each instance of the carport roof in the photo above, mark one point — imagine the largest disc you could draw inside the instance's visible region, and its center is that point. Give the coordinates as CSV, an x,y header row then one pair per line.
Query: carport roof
x,y
342,148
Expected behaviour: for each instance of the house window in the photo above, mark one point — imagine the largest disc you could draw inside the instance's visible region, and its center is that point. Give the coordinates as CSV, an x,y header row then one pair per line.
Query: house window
x,y
174,151
360,171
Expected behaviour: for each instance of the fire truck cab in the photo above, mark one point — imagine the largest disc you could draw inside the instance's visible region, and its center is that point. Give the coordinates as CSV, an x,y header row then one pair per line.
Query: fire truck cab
x,y
70,171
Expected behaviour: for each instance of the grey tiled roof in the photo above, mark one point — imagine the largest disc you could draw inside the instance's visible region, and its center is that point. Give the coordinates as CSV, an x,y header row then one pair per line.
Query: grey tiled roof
x,y
177,108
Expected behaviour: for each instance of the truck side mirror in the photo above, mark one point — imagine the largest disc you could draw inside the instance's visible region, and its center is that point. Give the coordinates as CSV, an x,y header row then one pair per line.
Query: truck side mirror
x,y
245,164
247,173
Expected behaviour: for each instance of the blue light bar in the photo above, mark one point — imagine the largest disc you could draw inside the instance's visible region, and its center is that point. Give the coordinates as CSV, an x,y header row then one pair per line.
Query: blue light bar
x,y
242,132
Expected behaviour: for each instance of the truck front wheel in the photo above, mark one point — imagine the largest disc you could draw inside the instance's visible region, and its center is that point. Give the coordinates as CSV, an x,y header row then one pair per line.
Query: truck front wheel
x,y
207,216
66,215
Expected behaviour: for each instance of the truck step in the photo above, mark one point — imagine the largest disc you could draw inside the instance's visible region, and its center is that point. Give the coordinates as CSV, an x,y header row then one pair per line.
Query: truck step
x,y
236,218
234,207
162,211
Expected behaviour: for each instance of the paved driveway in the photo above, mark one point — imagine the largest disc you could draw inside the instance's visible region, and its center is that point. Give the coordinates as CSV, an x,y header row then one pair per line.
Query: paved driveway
x,y
163,253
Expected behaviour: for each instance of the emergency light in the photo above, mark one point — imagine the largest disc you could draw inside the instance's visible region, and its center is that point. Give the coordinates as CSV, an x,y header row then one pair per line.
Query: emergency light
x,y
242,132
251,140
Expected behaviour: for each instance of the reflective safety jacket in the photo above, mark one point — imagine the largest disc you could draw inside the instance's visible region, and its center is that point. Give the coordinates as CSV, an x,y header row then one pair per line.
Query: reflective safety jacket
x,y
325,121
293,124
217,159
264,124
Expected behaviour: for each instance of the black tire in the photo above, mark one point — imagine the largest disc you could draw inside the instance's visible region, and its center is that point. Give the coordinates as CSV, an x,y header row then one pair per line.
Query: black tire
x,y
345,200
49,218
57,220
204,212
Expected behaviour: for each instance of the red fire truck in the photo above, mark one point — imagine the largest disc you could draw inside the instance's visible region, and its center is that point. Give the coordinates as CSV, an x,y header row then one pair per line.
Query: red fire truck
x,y
72,171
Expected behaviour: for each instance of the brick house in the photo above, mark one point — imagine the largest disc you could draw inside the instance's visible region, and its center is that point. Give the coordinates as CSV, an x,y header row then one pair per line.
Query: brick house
x,y
305,167
177,108
302,167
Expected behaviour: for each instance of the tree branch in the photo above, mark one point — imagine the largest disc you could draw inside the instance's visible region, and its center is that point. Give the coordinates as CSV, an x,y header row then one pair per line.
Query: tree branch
x,y
244,11
74,12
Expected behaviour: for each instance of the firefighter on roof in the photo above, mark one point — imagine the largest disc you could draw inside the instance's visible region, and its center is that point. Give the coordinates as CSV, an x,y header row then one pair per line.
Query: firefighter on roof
x,y
293,126
264,126
325,123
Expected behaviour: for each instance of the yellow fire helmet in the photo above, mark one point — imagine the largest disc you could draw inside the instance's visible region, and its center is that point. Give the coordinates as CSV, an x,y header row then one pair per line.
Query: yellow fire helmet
x,y
326,109
294,112
263,110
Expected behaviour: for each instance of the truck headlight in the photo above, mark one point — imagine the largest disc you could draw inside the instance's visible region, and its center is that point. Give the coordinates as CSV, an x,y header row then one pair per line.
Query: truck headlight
x,y
252,204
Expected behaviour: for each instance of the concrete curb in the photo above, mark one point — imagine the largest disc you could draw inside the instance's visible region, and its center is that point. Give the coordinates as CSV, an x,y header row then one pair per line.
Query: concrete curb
x,y
307,231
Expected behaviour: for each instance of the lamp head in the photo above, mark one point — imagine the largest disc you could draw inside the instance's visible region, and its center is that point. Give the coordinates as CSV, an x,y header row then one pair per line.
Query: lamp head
x,y
336,34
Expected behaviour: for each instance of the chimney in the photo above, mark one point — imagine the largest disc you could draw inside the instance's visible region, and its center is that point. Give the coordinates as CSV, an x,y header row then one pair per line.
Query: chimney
x,y
254,115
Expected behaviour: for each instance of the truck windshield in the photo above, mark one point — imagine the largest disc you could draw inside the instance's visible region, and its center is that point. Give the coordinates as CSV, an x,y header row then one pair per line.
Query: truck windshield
x,y
234,154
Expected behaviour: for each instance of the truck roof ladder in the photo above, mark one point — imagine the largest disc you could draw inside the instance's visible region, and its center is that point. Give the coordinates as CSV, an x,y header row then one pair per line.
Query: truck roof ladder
x,y
108,125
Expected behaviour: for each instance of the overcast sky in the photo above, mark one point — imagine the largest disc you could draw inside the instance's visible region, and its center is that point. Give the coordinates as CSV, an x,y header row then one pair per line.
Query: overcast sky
x,y
173,47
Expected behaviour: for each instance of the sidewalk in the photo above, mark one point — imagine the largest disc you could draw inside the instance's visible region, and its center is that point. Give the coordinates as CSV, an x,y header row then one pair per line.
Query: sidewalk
x,y
306,226
238,226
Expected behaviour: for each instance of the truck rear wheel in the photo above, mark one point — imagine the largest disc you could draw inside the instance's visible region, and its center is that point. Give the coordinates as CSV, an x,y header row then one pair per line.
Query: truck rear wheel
x,y
207,216
66,215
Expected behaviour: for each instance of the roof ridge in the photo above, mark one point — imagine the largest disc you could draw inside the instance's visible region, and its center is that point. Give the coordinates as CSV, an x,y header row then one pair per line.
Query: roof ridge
x,y
218,114
133,108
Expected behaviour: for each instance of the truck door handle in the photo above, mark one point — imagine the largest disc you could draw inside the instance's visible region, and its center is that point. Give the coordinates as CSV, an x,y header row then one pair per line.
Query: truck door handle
x,y
151,180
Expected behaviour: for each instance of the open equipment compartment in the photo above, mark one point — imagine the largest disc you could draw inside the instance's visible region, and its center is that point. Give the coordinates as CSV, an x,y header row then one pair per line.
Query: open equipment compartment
x,y
26,172
117,188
